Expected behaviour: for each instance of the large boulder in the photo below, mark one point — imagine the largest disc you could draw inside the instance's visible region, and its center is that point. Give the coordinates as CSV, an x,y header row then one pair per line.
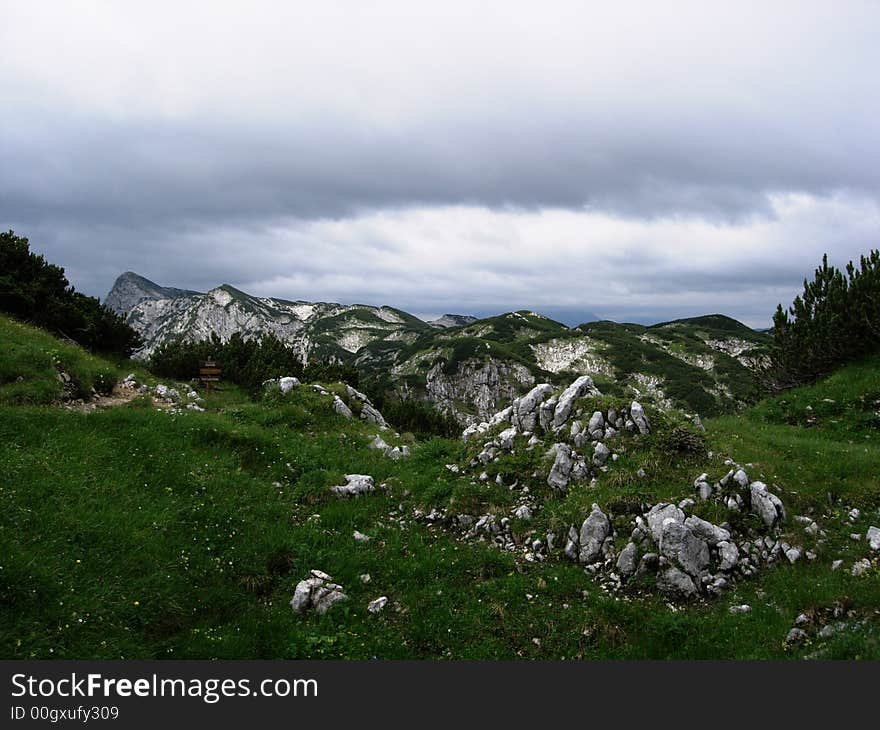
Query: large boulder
x,y
627,561
506,437
368,412
592,536
355,485
712,534
578,389
638,417
560,473
285,385
766,505
317,592
729,554
682,546
658,514
601,454
675,582
525,409
340,407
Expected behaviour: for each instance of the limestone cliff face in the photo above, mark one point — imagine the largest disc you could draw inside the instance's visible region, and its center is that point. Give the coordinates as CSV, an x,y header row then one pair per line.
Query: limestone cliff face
x,y
315,329
476,389
131,289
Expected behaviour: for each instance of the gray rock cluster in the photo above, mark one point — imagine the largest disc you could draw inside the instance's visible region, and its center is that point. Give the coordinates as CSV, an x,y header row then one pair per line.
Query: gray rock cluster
x,y
581,445
392,452
357,401
356,484
317,592
593,541
497,529
368,411
689,555
539,410
818,625
285,384
166,396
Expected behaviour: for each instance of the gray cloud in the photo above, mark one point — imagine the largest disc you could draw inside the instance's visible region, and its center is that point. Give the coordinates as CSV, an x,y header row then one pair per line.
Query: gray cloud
x,y
272,147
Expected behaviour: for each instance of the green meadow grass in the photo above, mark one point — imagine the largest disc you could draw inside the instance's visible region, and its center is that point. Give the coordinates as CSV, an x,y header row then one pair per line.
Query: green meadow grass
x,y
31,361
136,533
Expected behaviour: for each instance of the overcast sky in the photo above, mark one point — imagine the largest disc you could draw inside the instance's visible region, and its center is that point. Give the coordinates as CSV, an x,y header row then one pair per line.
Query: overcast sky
x,y
637,160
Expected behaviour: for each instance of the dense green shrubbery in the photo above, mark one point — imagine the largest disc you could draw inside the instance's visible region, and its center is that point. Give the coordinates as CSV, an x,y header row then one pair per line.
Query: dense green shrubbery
x,y
38,292
245,362
420,418
836,320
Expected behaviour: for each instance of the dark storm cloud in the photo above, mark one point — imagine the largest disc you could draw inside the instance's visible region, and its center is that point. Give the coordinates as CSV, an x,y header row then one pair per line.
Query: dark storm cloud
x,y
428,150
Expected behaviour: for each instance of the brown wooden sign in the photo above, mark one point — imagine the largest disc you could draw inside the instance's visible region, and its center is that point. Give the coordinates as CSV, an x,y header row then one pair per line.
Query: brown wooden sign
x,y
209,372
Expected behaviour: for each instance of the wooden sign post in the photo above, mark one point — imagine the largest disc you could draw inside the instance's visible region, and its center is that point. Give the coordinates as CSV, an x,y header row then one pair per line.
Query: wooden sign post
x,y
209,373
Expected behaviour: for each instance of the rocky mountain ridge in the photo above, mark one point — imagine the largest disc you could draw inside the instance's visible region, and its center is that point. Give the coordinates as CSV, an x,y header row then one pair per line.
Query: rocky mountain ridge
x,y
464,366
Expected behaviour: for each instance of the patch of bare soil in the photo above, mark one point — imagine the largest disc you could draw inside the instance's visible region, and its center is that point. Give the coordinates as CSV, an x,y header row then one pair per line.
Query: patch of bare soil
x,y
122,394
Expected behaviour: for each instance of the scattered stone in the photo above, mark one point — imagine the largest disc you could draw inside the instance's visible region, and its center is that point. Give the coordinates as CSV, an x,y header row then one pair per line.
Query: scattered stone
x,y
592,535
766,504
340,407
355,484
317,592
578,389
658,514
795,636
681,545
874,537
860,567
638,417
377,605
285,385
379,444
627,560
560,473
744,608
361,537
673,581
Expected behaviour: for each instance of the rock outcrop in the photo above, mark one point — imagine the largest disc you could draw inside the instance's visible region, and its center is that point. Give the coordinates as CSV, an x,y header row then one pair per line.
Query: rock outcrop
x,y
317,592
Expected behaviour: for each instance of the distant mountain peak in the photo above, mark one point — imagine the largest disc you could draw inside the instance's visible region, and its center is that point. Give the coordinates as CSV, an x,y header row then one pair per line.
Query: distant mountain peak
x,y
131,288
452,320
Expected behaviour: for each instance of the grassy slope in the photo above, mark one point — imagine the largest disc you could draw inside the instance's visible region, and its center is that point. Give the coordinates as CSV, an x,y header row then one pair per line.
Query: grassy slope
x,y
31,360
137,533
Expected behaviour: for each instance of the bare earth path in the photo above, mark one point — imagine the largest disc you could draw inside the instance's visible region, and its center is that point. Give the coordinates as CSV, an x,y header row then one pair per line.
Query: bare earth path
x,y
121,395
